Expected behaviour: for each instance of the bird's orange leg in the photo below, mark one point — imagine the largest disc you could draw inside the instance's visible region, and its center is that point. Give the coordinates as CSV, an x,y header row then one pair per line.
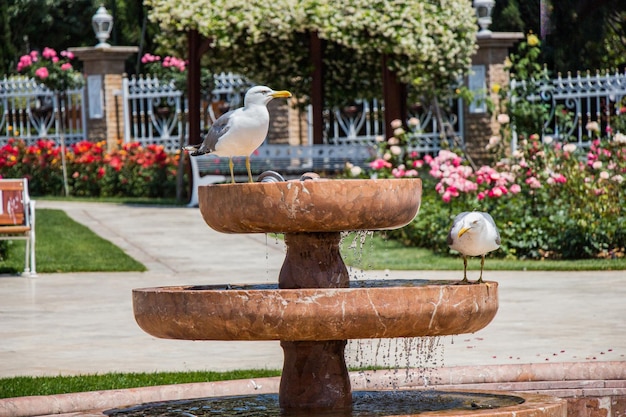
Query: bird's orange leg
x,y
231,166
249,170
482,265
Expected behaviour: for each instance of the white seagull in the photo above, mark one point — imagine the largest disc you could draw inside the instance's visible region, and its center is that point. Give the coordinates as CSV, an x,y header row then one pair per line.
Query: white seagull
x,y
241,131
473,233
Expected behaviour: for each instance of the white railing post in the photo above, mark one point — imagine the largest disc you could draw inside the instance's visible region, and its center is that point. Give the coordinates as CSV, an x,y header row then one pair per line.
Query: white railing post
x,y
125,108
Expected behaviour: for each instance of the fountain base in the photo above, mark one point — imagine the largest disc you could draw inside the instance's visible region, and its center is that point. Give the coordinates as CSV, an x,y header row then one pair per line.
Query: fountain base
x,y
315,376
313,324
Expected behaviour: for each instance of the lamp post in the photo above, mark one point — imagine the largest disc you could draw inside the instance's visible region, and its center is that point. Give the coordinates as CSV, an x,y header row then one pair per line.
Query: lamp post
x,y
483,14
102,23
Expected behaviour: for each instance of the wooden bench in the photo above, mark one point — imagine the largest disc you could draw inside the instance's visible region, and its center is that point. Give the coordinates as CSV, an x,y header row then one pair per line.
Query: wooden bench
x,y
291,161
17,218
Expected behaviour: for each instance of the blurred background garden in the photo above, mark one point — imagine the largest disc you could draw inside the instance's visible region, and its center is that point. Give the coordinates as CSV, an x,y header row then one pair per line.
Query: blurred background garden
x,y
552,176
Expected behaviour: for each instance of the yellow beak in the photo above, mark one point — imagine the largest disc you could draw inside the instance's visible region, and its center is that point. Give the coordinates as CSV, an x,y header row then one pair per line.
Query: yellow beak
x,y
463,230
281,94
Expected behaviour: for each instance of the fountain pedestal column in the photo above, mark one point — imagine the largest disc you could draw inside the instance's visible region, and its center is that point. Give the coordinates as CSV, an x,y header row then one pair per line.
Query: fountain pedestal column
x,y
315,375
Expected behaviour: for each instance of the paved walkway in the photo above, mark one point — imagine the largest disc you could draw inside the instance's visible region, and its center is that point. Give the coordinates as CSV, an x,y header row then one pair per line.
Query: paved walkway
x,y
83,323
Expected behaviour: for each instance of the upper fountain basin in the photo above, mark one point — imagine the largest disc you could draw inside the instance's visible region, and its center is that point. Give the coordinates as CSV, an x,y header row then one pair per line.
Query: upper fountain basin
x,y
310,206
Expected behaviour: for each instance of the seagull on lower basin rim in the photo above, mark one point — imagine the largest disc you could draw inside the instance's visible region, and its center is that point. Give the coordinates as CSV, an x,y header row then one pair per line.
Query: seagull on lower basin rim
x,y
473,233
241,131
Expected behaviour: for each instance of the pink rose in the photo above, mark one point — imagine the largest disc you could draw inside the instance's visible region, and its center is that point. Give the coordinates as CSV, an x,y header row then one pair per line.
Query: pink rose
x,y
398,173
533,182
49,53
25,61
66,67
42,73
379,164
495,192
454,192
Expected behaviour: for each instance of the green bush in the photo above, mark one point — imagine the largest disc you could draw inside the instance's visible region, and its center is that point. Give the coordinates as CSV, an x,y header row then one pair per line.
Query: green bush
x,y
549,200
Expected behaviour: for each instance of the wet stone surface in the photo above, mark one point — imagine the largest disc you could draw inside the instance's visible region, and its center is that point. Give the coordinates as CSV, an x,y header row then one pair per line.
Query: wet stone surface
x,y
365,404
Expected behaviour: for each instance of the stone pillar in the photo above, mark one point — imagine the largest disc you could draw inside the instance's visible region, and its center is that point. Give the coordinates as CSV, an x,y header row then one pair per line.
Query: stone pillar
x,y
278,132
315,376
487,70
103,69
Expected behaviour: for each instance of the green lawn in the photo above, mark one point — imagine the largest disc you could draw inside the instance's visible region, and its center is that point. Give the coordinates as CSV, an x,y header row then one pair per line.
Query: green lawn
x,y
66,246
25,385
377,254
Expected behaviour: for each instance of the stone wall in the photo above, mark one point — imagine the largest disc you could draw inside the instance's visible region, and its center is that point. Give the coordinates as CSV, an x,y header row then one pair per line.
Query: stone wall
x,y
479,127
108,63
279,122
605,406
288,123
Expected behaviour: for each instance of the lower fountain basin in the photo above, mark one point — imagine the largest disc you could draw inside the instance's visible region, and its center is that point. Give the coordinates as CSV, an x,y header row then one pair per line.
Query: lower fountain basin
x,y
365,404
409,309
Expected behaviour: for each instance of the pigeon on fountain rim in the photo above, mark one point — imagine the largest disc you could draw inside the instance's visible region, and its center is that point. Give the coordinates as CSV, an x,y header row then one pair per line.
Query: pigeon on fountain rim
x,y
241,131
473,233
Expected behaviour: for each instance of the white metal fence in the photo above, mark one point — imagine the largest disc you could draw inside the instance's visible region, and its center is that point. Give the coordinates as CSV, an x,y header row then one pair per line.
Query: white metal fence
x,y
574,101
363,121
153,111
29,111
153,114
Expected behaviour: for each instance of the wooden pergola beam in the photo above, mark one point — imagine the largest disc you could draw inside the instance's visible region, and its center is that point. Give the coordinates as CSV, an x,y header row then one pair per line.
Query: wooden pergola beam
x,y
197,46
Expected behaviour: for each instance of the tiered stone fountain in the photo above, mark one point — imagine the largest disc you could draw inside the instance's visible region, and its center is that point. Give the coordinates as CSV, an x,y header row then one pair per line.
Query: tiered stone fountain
x,y
313,311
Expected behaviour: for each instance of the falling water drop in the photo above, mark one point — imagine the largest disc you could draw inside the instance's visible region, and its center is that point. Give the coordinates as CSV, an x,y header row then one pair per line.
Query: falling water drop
x,y
267,257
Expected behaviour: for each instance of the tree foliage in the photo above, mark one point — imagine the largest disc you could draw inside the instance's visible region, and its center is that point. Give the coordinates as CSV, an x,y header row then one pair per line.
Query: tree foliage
x,y
35,24
429,44
580,34
27,25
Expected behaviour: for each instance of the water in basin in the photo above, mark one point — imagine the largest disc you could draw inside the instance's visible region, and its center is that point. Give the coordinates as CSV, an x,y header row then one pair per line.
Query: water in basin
x,y
365,404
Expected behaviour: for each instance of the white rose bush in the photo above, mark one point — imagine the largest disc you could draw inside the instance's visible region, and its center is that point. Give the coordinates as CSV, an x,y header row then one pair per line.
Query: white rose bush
x,y
427,44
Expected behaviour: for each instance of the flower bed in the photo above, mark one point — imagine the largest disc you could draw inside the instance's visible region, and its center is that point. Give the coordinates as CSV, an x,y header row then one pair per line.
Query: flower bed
x,y
129,171
549,199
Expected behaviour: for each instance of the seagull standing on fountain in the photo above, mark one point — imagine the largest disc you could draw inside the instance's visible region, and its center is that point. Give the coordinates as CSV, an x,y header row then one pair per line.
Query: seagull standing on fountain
x,y
473,234
240,132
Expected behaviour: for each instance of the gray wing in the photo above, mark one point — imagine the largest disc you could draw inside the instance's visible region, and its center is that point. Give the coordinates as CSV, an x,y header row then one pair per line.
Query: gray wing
x,y
456,220
450,241
217,130
488,217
